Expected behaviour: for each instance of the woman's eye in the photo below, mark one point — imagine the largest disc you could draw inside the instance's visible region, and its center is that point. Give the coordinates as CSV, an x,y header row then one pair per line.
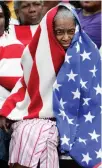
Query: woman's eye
x,y
71,31
59,32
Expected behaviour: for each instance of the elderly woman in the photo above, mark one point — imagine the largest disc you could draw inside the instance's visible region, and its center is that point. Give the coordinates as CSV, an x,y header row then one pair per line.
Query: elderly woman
x,y
57,45
10,70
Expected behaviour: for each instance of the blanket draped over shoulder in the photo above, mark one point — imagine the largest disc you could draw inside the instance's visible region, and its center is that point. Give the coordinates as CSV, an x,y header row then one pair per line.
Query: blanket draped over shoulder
x,y
77,101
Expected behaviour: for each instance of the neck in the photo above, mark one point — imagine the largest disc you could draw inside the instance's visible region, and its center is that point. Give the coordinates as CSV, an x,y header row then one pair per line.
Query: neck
x,y
88,13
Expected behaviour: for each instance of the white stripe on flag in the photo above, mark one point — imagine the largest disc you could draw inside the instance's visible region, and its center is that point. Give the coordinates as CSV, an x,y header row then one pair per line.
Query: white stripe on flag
x,y
21,109
33,29
18,86
43,56
27,63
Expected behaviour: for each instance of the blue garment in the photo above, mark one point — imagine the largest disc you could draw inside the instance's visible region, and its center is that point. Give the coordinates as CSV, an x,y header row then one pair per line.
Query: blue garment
x,y
77,100
4,145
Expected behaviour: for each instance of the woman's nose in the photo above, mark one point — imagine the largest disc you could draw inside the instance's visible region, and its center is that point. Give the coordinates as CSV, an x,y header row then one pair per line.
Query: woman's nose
x,y
66,37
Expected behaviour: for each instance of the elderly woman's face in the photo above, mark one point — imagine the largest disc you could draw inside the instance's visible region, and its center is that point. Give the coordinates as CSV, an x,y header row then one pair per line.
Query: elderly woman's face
x,y
64,30
2,21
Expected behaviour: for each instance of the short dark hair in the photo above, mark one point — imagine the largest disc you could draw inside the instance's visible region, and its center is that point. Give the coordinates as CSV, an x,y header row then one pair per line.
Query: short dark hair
x,y
7,14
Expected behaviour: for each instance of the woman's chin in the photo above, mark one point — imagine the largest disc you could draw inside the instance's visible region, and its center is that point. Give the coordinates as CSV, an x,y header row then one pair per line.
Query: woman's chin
x,y
66,46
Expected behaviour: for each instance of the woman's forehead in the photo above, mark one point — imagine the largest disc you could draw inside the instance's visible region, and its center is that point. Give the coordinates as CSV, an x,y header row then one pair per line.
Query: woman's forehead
x,y
64,22
64,14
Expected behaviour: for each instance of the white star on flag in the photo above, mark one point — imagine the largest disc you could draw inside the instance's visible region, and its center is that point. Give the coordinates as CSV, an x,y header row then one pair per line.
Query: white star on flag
x,y
62,113
82,140
83,84
69,120
67,59
65,140
99,153
71,146
76,94
86,101
77,47
80,39
62,103
77,29
86,158
85,55
89,117
77,125
101,109
98,89
71,76
94,135
56,86
94,70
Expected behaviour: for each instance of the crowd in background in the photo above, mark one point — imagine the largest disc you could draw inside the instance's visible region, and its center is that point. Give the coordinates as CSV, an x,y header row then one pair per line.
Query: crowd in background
x,y
89,15
17,30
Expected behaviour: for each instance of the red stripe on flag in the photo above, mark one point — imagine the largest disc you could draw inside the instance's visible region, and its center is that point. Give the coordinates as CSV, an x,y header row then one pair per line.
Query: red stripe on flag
x,y
57,52
8,82
33,44
23,34
33,85
33,89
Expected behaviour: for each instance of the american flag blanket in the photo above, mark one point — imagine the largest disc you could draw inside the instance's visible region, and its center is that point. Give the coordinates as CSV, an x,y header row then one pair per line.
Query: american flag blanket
x,y
77,101
10,69
41,61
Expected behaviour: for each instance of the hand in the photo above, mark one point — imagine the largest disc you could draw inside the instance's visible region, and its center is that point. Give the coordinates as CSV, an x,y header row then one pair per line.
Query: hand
x,y
3,123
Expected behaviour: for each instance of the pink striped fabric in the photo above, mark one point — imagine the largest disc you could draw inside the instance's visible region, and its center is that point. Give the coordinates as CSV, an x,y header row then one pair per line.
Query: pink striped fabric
x,y
33,141
41,61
